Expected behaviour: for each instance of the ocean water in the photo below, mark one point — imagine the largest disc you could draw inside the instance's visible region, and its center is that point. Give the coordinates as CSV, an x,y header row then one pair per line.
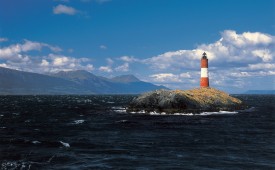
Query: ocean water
x,y
95,132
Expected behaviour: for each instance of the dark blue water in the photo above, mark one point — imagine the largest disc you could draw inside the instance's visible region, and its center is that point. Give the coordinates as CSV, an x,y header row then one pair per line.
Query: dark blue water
x,y
92,132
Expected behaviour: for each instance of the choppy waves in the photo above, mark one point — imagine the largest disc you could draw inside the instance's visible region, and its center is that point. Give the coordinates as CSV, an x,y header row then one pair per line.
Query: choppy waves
x,y
124,110
97,132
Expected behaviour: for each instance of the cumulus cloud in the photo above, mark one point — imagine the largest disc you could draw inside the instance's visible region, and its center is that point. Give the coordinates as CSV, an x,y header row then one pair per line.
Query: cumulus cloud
x,y
230,50
246,39
123,68
165,77
128,59
264,54
173,78
107,69
16,52
63,9
17,56
261,66
232,59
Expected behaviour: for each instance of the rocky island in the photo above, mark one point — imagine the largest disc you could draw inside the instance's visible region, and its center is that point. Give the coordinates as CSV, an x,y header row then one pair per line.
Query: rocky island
x,y
185,101
203,99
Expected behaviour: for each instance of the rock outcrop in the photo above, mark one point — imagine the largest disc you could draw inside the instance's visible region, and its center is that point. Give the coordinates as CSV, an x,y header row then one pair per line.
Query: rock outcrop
x,y
179,101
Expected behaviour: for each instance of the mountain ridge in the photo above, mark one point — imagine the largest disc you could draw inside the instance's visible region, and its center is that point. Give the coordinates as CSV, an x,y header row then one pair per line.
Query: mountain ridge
x,y
69,82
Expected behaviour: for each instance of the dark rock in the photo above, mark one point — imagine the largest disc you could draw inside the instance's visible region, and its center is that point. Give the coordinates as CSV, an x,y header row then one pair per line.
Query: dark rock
x,y
178,101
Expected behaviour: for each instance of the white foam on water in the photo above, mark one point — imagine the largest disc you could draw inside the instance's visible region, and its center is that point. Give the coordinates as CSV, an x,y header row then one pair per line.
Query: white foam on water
x,y
187,114
156,113
139,112
36,142
218,113
184,114
119,109
78,121
67,145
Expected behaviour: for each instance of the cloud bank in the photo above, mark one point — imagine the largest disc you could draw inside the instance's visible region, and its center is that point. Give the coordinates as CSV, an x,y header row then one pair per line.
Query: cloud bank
x,y
233,56
236,60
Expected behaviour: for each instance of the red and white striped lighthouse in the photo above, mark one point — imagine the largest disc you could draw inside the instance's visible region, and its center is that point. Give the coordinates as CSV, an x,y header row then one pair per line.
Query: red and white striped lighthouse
x,y
204,71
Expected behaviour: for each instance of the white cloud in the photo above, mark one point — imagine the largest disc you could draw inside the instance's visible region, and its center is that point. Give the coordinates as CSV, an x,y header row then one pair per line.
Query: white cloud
x,y
16,52
128,59
185,75
61,61
246,38
229,51
123,68
233,61
63,9
261,66
165,77
89,67
264,54
239,74
175,60
170,78
16,56
106,69
3,39
44,63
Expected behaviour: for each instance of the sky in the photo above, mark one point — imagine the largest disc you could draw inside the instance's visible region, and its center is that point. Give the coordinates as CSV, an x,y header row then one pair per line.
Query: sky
x,y
158,41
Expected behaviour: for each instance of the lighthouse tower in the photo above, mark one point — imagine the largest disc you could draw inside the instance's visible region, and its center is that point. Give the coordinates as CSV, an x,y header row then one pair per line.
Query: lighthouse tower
x,y
204,71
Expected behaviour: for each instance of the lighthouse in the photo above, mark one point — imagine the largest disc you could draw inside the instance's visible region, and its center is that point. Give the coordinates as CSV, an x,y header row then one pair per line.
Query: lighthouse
x,y
204,71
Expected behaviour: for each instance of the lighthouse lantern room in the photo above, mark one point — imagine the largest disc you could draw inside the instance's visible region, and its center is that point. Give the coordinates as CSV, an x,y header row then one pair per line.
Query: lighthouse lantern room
x,y
204,71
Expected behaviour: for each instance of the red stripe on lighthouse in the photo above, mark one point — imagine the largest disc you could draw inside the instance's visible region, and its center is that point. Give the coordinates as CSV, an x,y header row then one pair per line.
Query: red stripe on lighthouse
x,y
204,71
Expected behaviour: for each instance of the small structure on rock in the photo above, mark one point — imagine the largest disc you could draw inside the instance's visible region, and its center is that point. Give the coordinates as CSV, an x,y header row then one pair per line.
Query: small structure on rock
x,y
204,71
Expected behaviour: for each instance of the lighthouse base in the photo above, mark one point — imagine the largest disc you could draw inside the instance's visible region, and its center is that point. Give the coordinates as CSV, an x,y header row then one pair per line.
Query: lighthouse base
x,y
204,82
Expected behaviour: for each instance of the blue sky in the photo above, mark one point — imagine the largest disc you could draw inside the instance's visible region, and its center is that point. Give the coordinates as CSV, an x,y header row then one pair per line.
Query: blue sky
x,y
159,41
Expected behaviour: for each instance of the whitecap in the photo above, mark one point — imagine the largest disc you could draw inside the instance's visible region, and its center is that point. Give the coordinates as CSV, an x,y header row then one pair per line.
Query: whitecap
x,y
36,142
139,112
186,114
119,109
67,145
156,113
78,121
218,113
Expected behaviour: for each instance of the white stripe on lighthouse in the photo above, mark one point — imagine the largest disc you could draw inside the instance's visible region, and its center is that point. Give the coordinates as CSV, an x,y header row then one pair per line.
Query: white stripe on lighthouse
x,y
204,72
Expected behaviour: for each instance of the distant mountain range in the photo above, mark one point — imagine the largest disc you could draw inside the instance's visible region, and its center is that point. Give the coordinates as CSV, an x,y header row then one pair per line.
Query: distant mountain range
x,y
69,82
